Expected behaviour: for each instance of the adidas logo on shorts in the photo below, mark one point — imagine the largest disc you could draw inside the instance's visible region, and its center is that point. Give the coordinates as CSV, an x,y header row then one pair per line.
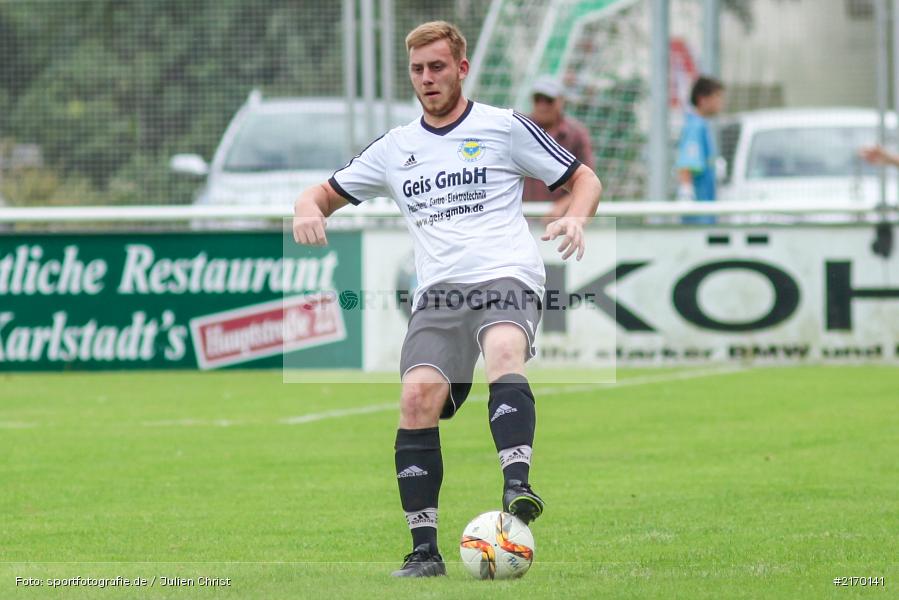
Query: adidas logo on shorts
x,y
502,409
413,471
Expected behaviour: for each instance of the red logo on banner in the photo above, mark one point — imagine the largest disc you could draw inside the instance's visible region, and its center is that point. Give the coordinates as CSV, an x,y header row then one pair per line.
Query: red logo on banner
x,y
277,327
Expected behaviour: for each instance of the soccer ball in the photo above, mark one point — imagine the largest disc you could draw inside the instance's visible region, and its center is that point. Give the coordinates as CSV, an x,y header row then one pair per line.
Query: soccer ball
x,y
497,545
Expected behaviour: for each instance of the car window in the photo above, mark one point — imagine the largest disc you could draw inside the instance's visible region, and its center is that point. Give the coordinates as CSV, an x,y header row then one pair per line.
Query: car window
x,y
809,152
399,115
298,141
287,141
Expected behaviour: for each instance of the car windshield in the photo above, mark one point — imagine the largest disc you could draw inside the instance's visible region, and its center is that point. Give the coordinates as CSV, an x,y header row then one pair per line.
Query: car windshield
x,y
810,152
288,142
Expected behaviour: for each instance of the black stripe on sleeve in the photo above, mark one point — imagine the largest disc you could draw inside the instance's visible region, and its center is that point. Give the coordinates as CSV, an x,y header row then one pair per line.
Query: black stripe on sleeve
x,y
339,189
534,130
562,148
361,152
550,139
551,151
565,176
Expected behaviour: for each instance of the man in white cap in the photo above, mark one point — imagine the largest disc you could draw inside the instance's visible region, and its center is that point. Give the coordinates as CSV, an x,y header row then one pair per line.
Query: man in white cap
x,y
549,113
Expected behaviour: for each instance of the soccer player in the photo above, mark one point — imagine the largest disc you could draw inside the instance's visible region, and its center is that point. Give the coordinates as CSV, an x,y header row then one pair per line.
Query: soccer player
x,y
456,174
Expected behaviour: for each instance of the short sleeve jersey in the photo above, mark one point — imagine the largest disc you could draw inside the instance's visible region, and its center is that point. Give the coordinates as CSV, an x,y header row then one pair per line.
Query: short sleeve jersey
x,y
574,137
459,189
696,152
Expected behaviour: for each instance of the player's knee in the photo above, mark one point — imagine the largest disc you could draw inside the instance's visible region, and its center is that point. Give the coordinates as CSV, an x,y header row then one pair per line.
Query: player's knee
x,y
509,354
505,354
421,403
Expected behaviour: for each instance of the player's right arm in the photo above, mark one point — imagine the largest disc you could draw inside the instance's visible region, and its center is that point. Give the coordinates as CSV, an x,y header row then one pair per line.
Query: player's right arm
x,y
311,209
362,178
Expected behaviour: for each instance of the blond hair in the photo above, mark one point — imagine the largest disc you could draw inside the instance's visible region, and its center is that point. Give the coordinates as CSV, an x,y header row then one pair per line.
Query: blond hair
x,y
434,31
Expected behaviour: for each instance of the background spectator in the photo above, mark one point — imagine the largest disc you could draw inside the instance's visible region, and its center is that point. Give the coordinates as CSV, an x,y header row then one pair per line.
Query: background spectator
x,y
697,150
549,113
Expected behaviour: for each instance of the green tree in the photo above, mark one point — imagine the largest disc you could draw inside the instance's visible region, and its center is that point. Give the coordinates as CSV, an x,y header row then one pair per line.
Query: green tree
x,y
110,88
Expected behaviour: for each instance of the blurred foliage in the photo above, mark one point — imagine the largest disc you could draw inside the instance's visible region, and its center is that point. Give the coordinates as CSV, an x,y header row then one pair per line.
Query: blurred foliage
x,y
44,187
109,89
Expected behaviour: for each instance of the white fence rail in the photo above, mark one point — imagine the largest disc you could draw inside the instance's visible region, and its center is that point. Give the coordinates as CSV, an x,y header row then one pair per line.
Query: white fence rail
x,y
164,213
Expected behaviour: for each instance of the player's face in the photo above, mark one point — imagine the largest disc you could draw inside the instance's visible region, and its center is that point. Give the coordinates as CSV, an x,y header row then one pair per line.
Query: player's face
x,y
437,77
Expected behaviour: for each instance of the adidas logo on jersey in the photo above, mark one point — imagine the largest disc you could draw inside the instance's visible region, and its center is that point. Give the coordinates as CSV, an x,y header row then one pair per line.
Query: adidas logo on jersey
x,y
413,471
410,162
502,409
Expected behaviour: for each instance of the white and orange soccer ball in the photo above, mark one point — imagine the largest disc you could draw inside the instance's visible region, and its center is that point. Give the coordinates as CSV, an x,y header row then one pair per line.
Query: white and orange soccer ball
x,y
497,545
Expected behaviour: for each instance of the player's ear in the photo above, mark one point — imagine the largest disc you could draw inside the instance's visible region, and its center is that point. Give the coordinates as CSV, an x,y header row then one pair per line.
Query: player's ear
x,y
463,68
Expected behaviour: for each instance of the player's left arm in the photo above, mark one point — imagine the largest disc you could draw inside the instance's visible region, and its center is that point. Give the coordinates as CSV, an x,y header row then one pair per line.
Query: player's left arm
x,y
584,189
583,151
535,154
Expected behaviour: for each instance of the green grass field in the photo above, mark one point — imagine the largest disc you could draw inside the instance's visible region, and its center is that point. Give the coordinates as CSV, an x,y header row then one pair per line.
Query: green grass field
x,y
765,483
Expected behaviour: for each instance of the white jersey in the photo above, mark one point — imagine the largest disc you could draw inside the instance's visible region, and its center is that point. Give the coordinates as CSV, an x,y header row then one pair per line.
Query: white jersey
x,y
459,188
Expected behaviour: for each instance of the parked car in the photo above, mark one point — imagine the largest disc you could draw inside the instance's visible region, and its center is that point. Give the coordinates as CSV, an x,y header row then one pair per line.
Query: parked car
x,y
807,154
275,147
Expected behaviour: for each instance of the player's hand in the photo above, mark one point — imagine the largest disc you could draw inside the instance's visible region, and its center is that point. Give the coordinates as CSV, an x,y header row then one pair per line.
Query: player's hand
x,y
309,225
876,155
572,228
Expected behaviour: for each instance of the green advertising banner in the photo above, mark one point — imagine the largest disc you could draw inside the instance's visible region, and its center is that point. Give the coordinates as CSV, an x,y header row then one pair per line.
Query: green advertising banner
x,y
177,300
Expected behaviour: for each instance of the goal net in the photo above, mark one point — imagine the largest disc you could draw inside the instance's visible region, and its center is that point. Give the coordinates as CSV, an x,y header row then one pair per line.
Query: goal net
x,y
600,50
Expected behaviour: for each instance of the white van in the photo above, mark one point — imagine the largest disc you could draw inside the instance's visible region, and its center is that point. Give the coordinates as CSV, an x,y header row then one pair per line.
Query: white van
x,y
274,148
807,154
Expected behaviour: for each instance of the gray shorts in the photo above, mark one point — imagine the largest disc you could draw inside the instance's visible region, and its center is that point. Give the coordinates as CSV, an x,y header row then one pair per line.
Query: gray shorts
x,y
445,329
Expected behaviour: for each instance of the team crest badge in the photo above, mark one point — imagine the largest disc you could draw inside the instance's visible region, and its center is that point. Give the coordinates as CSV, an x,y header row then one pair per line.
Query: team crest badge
x,y
471,150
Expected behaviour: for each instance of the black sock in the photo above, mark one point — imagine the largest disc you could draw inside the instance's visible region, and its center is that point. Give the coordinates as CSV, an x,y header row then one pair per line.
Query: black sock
x,y
419,472
513,418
